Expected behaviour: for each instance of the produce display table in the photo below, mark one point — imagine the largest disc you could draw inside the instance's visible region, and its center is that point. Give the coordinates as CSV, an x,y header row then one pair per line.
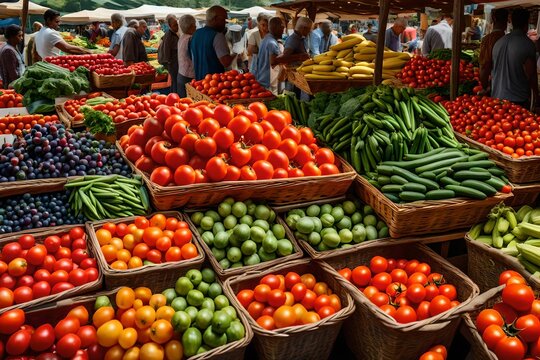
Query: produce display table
x,y
312,87
198,96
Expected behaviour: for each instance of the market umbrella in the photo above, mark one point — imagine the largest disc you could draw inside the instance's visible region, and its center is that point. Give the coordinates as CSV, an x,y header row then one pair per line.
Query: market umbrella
x,y
88,16
16,8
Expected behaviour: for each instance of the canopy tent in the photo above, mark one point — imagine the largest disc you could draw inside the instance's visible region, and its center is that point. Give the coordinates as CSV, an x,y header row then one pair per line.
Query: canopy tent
x,y
158,12
88,16
16,9
253,12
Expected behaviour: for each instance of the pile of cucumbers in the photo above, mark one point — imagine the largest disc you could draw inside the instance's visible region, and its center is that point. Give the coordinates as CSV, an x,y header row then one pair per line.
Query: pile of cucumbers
x,y
439,174
516,233
385,124
336,225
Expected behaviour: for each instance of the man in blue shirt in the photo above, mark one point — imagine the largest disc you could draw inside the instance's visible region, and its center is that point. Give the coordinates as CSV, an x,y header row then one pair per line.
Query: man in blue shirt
x,y
315,41
208,46
269,51
392,39
327,38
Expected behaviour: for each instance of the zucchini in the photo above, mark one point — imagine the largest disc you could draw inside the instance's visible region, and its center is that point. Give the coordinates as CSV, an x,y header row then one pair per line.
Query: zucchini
x,y
411,196
469,174
440,194
415,187
481,186
391,188
398,180
466,192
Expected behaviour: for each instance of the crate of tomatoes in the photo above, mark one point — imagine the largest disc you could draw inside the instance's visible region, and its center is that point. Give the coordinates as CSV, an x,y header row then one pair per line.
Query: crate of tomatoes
x,y
296,309
189,317
144,73
507,132
10,99
411,297
68,108
231,88
506,326
41,266
247,153
15,124
140,248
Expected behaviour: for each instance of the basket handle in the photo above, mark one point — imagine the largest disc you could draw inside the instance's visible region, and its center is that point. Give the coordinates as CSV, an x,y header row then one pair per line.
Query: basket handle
x,y
479,301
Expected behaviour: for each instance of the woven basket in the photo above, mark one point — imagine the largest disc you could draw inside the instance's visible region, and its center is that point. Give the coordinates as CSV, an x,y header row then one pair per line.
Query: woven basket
x,y
330,86
275,191
112,81
159,275
56,312
313,341
227,273
312,252
519,171
37,186
525,194
63,116
479,350
40,235
487,263
383,338
427,217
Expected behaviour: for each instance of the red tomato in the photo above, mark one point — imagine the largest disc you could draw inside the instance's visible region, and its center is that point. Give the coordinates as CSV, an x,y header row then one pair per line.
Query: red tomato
x,y
11,321
68,345
42,338
439,304
18,343
518,296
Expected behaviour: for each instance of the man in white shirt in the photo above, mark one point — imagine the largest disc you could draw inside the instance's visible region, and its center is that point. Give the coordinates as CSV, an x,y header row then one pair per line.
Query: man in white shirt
x,y
48,40
438,36
118,23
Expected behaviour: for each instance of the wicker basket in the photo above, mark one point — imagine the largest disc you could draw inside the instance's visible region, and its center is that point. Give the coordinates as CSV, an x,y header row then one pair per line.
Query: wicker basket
x,y
314,341
312,252
519,171
275,191
112,81
56,312
525,194
40,235
479,350
427,217
383,338
37,186
487,263
158,274
330,86
227,273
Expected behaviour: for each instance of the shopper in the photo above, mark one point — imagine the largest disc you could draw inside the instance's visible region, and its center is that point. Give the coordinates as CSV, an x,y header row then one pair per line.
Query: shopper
x,y
409,34
392,39
438,36
500,22
295,49
95,32
514,74
269,55
11,60
48,40
31,55
208,45
133,50
313,40
168,50
254,41
119,25
369,34
475,33
327,37
185,65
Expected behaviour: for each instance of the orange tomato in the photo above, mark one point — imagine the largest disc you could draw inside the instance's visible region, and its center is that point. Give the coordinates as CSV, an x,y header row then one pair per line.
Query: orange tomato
x,y
335,302
143,293
117,243
138,236
266,322
145,316
152,351
157,301
102,315
159,221
161,331
165,312
128,318
320,288
189,251
119,265
109,252
125,297
123,255
299,311
135,262
132,354
109,332
310,317
129,242
143,335
289,298
127,338
284,316
308,280
174,350
140,250
114,353
103,236
151,235
81,313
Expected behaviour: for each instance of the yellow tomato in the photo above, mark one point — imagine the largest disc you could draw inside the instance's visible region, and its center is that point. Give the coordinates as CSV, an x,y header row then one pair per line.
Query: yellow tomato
x,y
127,338
143,335
165,312
137,304
129,242
138,235
161,331
132,354
144,294
135,262
157,301
125,297
145,317
174,350
115,353
152,351
123,255
109,333
102,315
103,236
320,288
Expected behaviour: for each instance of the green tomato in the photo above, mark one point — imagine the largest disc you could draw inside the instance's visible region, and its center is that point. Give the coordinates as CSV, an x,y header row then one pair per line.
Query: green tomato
x,y
196,217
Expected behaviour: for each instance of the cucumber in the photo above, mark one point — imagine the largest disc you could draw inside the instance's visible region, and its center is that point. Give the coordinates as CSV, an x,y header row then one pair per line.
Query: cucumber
x,y
495,171
440,194
391,188
425,160
481,186
495,182
430,184
385,170
384,180
469,174
441,175
448,181
479,156
415,187
485,164
398,180
441,164
392,197
411,196
429,175
479,169
466,192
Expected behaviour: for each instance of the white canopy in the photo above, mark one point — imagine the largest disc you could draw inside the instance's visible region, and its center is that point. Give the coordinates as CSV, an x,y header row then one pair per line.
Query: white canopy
x,y
253,12
159,12
15,9
88,16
